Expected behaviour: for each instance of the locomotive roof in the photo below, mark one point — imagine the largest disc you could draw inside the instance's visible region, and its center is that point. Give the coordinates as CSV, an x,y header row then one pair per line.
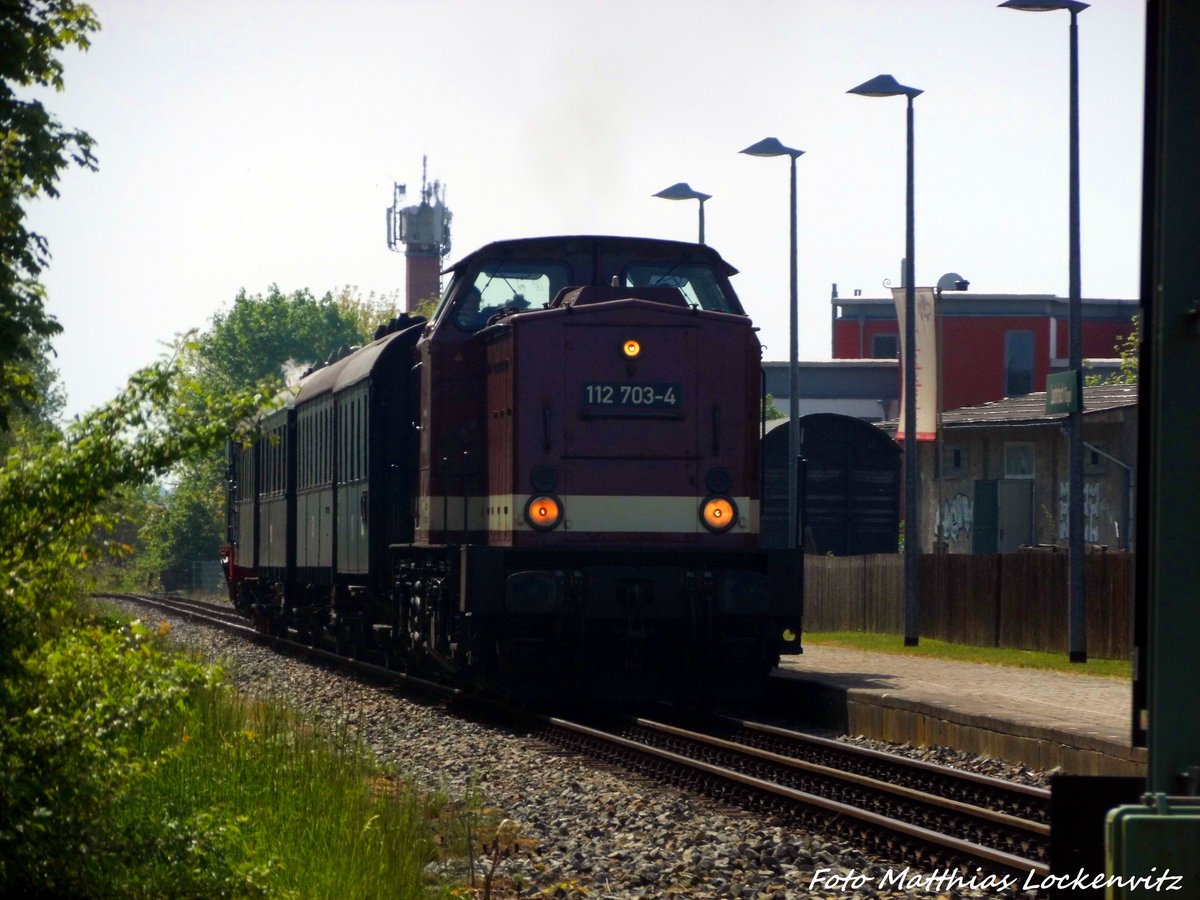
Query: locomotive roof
x,y
350,369
561,245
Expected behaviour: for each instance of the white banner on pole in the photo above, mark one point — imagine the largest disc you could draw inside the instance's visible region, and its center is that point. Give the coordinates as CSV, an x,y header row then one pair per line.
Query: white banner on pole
x,y
926,359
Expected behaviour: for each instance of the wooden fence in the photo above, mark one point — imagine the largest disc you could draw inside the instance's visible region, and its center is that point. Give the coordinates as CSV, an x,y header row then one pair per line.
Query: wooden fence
x,y
1015,600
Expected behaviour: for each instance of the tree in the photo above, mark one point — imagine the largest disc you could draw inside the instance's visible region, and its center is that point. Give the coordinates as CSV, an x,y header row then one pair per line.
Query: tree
x,y
770,409
39,417
183,525
263,332
1127,349
34,150
369,312
75,696
261,336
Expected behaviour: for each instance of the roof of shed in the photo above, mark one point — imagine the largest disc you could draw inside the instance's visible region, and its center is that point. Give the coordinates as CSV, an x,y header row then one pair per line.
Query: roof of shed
x,y
1031,408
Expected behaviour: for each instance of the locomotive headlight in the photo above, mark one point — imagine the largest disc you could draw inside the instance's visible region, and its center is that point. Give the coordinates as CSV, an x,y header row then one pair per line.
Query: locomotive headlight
x,y
718,513
631,349
543,512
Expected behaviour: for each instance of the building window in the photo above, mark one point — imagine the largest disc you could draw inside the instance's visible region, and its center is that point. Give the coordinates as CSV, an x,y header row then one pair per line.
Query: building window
x,y
1018,363
954,461
1018,460
885,346
1094,462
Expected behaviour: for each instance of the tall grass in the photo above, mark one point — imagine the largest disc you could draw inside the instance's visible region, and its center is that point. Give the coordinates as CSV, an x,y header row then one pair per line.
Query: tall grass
x,y
994,656
246,799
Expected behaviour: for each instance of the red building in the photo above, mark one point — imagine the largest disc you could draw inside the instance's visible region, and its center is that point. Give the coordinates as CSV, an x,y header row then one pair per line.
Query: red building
x,y
992,345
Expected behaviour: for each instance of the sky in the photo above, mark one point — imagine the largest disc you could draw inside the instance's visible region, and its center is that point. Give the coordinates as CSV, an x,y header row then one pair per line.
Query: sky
x,y
244,143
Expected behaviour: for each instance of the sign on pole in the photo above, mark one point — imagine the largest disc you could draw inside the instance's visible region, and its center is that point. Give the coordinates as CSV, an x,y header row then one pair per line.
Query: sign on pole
x,y
1064,392
926,359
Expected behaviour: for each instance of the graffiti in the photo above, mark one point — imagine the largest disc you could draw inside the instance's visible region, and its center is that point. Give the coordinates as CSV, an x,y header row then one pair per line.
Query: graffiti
x,y
1091,512
956,516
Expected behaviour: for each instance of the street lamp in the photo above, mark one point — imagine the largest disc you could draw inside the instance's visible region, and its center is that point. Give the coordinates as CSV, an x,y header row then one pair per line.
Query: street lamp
x,y
1077,617
683,191
772,147
887,86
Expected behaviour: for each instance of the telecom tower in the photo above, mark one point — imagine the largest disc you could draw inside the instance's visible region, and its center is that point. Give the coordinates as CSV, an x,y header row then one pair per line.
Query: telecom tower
x,y
424,232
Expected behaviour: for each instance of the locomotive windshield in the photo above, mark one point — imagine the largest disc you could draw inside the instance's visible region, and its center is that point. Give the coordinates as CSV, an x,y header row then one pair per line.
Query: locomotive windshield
x,y
698,282
509,285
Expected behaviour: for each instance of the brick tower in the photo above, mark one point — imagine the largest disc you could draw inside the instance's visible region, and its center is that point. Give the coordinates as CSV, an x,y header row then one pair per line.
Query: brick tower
x,y
422,231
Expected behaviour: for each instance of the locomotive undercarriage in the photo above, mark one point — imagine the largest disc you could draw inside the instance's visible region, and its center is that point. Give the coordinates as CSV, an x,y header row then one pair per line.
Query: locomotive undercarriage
x,y
539,625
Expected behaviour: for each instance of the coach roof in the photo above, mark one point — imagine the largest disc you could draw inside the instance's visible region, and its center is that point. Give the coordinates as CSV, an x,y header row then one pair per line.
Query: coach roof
x,y
351,369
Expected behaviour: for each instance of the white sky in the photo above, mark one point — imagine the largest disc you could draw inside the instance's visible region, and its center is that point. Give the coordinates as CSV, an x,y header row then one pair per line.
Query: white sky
x,y
245,142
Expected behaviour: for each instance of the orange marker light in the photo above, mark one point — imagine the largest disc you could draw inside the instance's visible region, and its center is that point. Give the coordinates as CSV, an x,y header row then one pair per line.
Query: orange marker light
x,y
631,349
543,512
718,514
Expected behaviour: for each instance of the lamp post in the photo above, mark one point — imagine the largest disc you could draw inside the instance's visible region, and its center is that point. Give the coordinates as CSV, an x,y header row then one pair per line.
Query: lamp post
x,y
772,147
887,86
1077,616
683,191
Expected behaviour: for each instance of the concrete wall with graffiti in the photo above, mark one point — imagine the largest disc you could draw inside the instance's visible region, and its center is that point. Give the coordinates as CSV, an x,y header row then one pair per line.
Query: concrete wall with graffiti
x,y
1032,460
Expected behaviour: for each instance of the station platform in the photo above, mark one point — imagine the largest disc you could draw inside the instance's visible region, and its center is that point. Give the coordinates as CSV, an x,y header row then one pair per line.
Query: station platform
x,y
1077,724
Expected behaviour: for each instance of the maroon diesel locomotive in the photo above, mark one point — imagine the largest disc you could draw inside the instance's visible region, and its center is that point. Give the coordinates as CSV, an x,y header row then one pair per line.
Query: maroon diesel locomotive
x,y
552,488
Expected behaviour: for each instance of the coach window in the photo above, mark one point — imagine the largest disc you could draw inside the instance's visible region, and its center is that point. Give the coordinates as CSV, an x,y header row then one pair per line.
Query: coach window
x,y
366,437
352,442
699,283
327,443
509,286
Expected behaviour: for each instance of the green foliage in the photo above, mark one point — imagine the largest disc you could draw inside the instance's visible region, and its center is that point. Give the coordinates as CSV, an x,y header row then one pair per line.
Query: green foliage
x,y
1127,350
369,312
262,332
426,307
34,149
249,798
183,525
992,656
71,692
85,702
770,410
261,336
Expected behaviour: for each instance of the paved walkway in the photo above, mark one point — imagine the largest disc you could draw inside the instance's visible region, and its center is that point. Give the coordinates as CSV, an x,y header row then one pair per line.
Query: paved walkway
x,y
1080,711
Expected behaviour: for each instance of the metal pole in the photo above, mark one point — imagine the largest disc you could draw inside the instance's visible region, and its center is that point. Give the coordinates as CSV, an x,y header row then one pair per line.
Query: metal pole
x,y
1077,625
702,221
794,539
912,530
1167,632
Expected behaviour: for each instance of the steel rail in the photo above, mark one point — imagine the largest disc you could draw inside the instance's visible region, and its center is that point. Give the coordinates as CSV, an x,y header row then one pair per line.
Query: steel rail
x,y
834,808
1033,793
195,611
957,806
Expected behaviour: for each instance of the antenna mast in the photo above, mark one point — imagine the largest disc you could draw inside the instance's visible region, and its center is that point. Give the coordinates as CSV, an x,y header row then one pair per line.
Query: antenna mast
x,y
422,233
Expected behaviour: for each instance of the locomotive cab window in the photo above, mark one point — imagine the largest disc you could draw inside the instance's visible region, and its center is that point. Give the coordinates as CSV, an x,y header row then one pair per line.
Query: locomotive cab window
x,y
508,286
699,284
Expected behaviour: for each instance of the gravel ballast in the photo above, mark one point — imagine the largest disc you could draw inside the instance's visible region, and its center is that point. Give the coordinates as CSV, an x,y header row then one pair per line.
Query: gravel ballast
x,y
591,831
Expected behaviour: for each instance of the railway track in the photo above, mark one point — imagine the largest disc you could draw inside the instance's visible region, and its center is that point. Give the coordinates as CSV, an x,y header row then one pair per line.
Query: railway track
x,y
867,801
931,815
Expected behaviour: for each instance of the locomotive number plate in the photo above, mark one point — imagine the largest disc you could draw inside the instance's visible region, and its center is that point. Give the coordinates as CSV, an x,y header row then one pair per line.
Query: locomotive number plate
x,y
615,395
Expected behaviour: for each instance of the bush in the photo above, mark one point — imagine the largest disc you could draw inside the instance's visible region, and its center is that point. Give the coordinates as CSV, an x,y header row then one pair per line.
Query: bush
x,y
77,695
89,699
